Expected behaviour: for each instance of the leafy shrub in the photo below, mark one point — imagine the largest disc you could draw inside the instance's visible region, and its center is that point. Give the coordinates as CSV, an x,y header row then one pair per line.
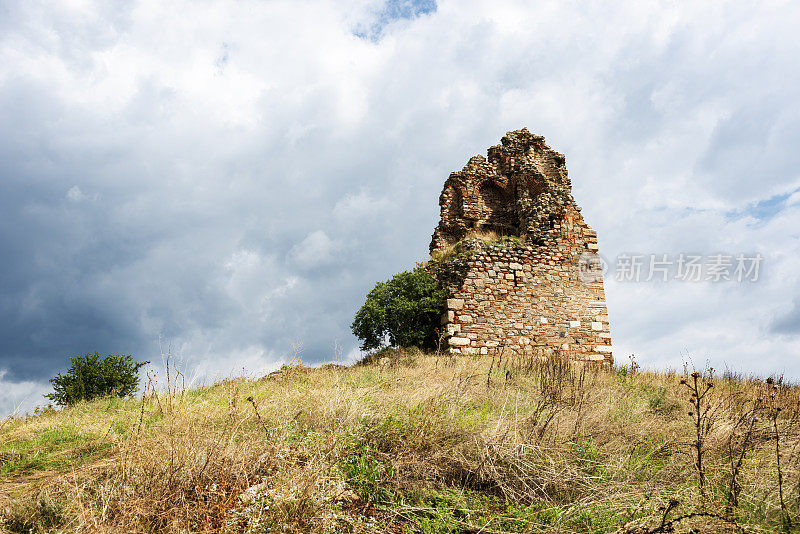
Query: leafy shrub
x,y
90,377
407,309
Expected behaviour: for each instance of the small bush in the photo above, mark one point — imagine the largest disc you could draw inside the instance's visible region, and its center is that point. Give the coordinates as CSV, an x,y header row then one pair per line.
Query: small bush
x,y
90,377
408,308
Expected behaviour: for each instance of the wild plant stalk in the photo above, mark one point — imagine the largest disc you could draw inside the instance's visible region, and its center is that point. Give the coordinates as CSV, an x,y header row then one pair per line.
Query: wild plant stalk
x,y
774,412
489,373
252,401
669,526
671,505
127,452
634,364
441,335
10,417
165,358
144,399
738,448
183,383
702,414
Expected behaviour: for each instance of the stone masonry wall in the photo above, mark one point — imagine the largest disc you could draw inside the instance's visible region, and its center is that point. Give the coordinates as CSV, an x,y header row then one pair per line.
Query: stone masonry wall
x,y
540,288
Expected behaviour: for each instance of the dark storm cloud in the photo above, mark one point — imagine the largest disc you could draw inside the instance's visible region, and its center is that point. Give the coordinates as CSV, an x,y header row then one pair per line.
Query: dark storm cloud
x,y
119,230
788,323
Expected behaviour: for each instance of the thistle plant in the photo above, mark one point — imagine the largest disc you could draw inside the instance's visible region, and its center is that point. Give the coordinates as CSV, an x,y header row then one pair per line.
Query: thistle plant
x,y
702,412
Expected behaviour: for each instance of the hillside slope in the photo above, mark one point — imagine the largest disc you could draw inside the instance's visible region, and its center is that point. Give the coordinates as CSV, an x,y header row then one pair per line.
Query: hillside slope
x,y
425,443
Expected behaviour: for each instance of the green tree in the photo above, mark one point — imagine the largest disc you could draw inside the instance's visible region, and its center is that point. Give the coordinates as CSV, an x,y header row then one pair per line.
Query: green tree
x,y
90,376
407,308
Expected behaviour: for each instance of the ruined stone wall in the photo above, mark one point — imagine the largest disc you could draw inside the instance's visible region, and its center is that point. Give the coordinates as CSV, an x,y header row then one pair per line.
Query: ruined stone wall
x,y
538,289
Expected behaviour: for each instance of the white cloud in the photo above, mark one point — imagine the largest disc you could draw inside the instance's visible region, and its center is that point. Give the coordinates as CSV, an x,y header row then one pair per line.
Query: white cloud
x,y
316,250
76,195
360,208
20,397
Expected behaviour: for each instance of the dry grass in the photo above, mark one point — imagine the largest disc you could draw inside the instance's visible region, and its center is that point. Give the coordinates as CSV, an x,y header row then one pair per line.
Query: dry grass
x,y
425,444
484,236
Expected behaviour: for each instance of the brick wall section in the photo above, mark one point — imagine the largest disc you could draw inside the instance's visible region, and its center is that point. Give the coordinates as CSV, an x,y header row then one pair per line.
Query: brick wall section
x,y
524,293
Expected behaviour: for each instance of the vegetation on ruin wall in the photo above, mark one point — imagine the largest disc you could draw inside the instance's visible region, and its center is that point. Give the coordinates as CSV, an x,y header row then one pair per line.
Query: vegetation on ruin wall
x,y
450,265
427,443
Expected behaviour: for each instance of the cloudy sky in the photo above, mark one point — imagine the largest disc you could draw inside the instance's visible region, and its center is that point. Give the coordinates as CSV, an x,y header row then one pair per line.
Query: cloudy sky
x,y
233,176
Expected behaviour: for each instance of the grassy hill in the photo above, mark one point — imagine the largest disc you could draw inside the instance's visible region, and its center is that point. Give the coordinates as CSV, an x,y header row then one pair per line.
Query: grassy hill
x,y
424,443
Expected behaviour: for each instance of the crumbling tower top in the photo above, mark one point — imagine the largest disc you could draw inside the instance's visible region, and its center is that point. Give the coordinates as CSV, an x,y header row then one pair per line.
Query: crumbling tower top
x,y
522,189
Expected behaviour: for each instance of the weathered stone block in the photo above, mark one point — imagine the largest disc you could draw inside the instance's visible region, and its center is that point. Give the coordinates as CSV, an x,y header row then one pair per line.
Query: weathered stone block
x,y
455,304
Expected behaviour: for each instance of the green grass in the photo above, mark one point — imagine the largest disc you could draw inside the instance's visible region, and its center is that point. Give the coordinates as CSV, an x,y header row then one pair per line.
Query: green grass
x,y
427,444
368,473
42,515
57,448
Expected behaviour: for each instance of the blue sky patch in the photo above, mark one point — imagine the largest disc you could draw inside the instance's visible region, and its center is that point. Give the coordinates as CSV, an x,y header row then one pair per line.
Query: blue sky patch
x,y
763,210
394,10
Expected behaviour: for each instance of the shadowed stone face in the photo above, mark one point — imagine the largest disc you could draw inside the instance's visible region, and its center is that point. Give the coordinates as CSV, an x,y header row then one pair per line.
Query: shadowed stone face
x,y
523,294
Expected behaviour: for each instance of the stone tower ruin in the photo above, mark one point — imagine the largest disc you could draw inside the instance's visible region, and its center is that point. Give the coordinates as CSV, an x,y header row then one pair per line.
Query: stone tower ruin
x,y
518,260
